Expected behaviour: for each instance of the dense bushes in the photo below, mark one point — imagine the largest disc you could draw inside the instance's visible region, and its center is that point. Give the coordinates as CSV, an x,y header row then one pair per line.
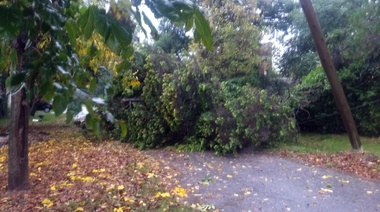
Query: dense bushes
x,y
244,116
317,111
182,105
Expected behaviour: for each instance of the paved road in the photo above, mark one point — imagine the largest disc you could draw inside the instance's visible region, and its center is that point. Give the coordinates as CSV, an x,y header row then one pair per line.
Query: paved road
x,y
259,182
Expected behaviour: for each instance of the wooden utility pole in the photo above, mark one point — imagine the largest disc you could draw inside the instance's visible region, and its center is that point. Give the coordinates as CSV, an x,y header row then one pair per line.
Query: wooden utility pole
x,y
328,66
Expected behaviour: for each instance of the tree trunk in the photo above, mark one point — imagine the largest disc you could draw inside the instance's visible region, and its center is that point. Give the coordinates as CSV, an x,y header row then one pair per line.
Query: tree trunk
x,y
18,170
328,66
18,159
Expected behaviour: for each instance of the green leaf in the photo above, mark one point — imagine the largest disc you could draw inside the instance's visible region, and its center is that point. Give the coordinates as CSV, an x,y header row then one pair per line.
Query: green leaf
x,y
189,24
166,9
153,30
138,19
123,66
89,106
123,128
93,85
90,121
87,21
119,38
69,116
184,9
15,79
47,89
203,29
72,29
60,104
10,20
81,78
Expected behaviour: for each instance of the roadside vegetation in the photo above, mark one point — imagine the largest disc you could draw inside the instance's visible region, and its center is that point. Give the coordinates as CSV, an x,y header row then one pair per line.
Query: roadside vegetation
x,y
217,90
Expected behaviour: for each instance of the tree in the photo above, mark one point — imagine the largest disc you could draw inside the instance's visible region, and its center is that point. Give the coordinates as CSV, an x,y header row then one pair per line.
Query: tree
x,y
173,39
44,34
335,22
236,41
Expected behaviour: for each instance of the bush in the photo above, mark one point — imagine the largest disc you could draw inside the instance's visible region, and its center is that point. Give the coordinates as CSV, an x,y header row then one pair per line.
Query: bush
x,y
185,107
316,108
244,116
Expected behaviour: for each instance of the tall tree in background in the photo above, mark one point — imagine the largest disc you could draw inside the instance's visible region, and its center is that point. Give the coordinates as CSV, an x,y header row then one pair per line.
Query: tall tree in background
x,y
300,55
173,39
236,40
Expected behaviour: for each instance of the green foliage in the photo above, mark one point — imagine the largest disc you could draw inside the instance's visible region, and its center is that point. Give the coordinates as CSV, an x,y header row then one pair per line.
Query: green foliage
x,y
183,13
48,34
245,116
182,105
316,107
352,36
236,42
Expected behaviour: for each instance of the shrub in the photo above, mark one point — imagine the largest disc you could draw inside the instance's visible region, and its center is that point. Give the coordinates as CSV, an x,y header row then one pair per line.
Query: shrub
x,y
186,107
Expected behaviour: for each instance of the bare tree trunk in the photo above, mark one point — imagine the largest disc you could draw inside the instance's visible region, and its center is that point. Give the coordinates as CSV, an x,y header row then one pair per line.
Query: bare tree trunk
x,y
18,159
328,66
18,170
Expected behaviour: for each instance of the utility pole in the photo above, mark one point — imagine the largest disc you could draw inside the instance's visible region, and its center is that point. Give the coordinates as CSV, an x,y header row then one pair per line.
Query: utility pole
x,y
328,66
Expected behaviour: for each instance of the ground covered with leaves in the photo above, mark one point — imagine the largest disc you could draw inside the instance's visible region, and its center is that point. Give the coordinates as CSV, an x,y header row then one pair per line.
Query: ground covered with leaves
x,y
362,164
70,173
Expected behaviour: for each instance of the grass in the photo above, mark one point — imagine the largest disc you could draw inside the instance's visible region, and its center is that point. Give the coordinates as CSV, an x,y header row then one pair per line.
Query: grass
x,y
39,117
331,143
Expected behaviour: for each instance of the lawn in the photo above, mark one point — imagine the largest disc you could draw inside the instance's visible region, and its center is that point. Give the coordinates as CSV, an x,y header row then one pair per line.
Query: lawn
x,y
330,143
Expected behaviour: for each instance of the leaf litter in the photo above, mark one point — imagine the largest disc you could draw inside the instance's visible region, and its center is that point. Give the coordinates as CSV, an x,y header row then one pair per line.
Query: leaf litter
x,y
363,164
70,173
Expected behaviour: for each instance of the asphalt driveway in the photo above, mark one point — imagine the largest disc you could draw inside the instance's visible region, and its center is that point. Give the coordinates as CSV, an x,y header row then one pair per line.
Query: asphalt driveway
x,y
260,182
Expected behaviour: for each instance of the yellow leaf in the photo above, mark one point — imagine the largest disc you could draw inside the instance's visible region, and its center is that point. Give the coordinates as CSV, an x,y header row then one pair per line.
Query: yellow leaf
x,y
79,209
120,187
121,209
47,202
74,165
325,190
150,175
53,188
98,170
87,179
127,199
112,186
140,165
180,192
165,194
32,174
229,176
326,176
